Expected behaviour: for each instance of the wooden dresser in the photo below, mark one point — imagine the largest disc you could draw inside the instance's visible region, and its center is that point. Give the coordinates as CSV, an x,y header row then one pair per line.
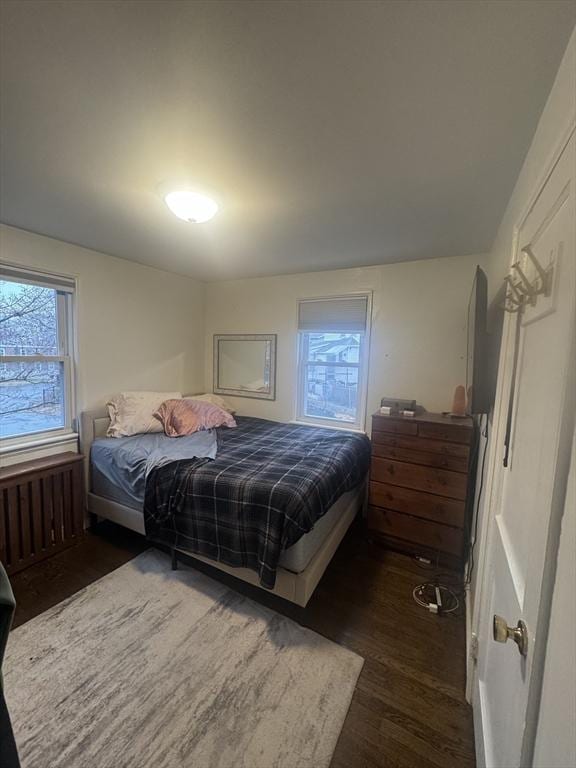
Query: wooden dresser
x,y
419,484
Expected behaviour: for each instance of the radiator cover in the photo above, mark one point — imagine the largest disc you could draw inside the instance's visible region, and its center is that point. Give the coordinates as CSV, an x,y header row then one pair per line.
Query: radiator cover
x,y
41,509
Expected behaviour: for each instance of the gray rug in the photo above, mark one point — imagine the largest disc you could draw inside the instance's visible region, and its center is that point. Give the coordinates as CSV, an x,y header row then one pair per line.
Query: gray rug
x,y
149,667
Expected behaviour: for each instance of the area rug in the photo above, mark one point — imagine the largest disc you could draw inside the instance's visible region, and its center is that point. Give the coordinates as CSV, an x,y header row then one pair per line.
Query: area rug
x,y
152,667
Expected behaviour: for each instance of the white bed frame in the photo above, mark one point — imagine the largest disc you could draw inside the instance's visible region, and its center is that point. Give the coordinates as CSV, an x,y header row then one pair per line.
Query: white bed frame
x,y
295,587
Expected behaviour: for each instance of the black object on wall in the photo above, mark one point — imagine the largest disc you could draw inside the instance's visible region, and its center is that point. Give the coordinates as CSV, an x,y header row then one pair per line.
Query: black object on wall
x,y
483,345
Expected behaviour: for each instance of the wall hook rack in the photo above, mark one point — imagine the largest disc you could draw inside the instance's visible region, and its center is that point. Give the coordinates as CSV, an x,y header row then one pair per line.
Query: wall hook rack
x,y
526,291
515,298
545,275
525,286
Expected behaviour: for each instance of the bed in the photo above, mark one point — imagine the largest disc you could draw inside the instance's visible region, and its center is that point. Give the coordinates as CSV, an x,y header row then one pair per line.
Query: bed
x,y
327,468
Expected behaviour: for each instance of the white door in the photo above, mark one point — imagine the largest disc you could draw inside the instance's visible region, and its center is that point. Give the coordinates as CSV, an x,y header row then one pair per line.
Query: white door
x,y
528,495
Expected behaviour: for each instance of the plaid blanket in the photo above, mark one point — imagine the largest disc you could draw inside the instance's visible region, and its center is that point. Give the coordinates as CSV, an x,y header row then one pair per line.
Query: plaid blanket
x,y
267,487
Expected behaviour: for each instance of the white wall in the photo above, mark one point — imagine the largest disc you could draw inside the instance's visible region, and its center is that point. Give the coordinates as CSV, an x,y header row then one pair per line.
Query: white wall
x,y
137,327
418,344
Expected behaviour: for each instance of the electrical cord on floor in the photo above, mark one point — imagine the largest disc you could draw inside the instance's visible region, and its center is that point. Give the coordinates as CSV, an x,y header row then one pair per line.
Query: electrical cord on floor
x,y
436,598
443,593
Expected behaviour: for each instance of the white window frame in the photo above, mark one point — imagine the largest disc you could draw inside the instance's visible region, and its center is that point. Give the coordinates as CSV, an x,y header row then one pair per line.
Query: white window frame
x,y
65,309
302,364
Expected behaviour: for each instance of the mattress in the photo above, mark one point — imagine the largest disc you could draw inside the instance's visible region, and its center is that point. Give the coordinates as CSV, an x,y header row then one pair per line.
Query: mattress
x,y
101,486
294,559
122,464
297,557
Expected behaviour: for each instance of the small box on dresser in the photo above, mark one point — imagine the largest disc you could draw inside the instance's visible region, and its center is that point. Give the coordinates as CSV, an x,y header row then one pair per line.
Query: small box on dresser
x,y
419,484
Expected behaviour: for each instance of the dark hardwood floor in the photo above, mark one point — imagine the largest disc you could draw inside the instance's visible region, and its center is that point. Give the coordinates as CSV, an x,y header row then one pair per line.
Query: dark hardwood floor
x,y
408,709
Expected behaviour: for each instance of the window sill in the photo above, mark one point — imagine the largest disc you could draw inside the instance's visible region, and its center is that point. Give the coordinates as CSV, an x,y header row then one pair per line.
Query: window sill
x,y
341,428
15,446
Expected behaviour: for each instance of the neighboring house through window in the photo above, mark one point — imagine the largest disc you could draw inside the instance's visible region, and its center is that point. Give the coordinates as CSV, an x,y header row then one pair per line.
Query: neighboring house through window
x,y
36,364
332,360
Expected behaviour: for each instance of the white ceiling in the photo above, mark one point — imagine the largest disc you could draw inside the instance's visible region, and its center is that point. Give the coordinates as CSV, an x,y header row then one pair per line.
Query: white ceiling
x,y
333,134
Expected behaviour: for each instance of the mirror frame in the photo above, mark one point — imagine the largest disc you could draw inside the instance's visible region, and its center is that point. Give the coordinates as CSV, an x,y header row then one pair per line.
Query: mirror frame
x,y
271,337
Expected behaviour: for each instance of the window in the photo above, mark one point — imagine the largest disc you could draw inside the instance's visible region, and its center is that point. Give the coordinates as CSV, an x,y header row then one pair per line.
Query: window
x,y
36,394
332,360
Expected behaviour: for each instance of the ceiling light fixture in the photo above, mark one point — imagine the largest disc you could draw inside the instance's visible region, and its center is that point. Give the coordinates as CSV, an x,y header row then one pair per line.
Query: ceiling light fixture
x,y
191,206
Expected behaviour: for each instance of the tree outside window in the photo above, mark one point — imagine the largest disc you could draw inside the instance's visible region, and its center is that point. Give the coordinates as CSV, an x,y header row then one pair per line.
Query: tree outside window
x,y
35,366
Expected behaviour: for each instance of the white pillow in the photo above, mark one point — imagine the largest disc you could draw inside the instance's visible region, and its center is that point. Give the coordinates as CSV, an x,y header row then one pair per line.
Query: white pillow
x,y
214,399
132,413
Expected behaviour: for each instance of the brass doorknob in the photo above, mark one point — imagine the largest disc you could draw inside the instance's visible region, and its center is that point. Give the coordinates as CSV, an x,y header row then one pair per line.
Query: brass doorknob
x,y
502,633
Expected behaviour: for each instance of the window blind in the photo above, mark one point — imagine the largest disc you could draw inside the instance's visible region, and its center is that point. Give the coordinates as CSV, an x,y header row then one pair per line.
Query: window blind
x,y
342,314
31,277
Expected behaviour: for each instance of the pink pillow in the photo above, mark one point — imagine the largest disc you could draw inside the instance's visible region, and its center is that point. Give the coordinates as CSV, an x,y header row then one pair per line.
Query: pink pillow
x,y
184,417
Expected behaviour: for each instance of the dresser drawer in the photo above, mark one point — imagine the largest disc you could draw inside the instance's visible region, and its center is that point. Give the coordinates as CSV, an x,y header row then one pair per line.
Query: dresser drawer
x,y
415,530
440,460
385,424
420,444
450,432
428,479
436,508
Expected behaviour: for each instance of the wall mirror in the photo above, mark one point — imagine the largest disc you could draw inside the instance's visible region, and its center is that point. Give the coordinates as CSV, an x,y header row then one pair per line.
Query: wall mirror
x,y
245,366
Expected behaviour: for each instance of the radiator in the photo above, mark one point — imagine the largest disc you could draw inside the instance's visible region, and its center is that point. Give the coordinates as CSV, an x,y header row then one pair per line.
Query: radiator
x,y
41,509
